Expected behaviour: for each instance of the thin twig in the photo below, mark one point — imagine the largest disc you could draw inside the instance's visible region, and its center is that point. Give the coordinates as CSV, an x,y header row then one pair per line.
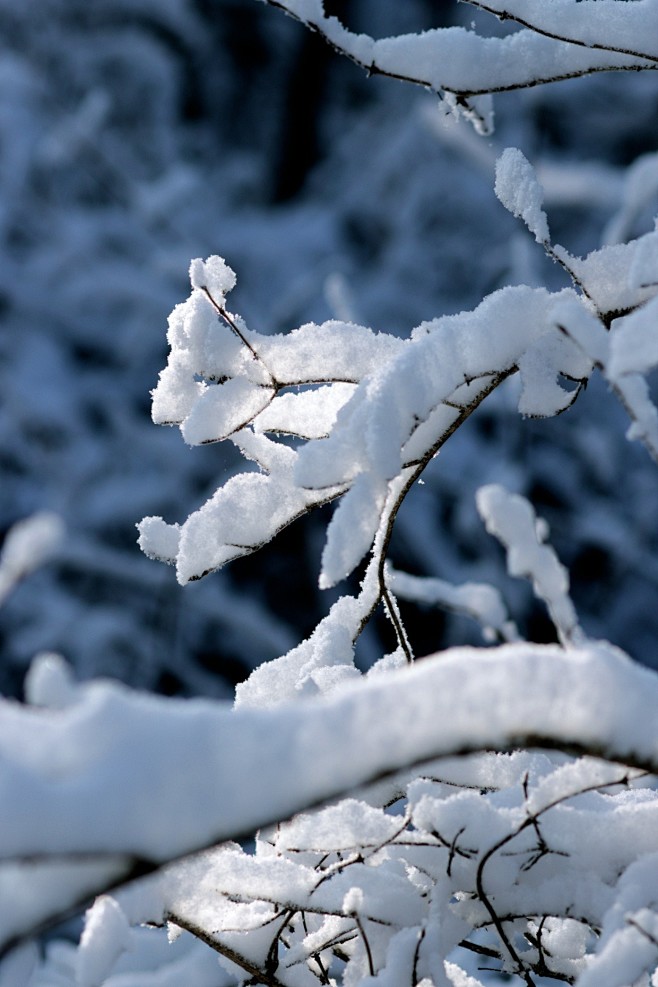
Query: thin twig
x,y
645,932
416,468
529,821
393,614
232,324
260,976
414,969
359,925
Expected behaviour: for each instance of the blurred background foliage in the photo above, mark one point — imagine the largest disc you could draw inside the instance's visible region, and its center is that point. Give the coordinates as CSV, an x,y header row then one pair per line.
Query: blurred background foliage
x,y
136,134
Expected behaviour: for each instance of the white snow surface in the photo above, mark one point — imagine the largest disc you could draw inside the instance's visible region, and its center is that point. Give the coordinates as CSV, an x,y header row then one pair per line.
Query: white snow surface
x,y
634,342
50,682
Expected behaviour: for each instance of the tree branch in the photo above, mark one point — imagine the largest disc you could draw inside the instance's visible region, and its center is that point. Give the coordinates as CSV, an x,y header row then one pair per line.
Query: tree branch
x,y
440,698
505,15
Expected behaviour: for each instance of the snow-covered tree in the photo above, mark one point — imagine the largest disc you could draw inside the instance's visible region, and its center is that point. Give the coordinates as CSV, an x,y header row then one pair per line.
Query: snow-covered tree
x,y
424,822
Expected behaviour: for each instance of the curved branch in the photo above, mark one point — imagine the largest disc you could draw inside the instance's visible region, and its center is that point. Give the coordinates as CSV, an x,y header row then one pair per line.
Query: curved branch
x,y
463,701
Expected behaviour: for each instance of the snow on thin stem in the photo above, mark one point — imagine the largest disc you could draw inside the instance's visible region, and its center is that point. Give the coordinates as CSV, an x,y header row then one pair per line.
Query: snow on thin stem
x,y
519,190
625,357
28,544
479,601
512,520
382,411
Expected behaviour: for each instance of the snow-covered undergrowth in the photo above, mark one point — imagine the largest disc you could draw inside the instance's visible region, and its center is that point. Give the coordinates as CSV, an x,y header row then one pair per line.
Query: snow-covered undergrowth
x,y
479,812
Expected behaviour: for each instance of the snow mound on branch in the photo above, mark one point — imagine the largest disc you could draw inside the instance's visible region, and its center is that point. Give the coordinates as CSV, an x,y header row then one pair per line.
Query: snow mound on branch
x,y
213,274
520,192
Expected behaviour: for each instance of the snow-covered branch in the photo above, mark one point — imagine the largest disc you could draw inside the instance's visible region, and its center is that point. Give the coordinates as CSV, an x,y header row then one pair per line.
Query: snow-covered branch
x,y
611,25
95,780
465,67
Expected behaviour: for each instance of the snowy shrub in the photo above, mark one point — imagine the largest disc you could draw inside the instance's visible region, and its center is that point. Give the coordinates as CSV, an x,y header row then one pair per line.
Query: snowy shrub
x,y
482,812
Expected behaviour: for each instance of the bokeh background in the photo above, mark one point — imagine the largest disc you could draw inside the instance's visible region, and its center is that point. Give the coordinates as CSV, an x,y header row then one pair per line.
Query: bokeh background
x,y
137,134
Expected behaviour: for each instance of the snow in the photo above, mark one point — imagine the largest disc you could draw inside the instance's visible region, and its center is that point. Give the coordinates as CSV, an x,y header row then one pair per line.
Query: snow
x,y
159,540
349,826
151,962
624,357
634,343
592,24
339,351
645,261
106,935
352,529
50,682
233,522
304,753
520,192
459,61
31,891
608,274
303,670
512,520
58,773
28,545
574,318
386,408
17,969
479,600
223,409
383,399
215,275
309,414
633,391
